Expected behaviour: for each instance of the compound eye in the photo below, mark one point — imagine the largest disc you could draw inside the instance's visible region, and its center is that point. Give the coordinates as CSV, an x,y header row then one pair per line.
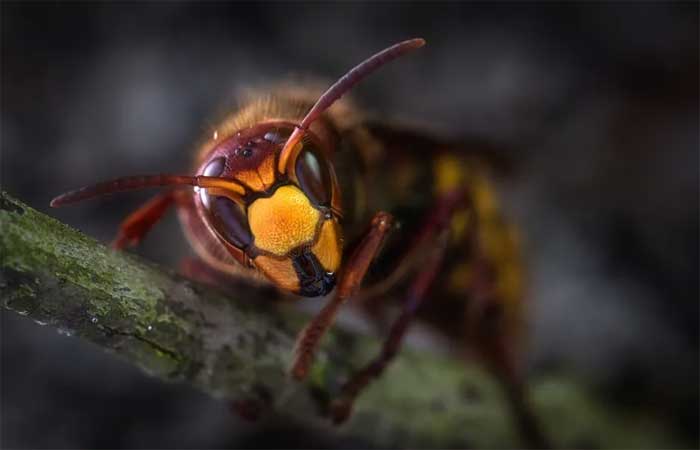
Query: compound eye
x,y
229,221
225,215
312,173
278,135
213,169
273,137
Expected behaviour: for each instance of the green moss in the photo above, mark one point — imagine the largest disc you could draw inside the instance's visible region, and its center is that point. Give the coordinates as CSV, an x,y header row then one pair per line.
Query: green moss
x,y
96,269
573,415
432,395
241,348
111,292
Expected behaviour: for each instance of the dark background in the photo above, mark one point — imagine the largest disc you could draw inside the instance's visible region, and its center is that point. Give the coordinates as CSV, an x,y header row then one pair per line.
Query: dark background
x,y
598,104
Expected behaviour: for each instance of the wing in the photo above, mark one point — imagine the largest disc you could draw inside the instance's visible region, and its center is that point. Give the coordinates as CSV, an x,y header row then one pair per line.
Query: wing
x,y
498,156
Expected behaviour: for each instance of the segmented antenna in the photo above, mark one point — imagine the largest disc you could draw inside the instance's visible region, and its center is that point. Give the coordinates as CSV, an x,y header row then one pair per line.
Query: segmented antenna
x,y
144,181
339,88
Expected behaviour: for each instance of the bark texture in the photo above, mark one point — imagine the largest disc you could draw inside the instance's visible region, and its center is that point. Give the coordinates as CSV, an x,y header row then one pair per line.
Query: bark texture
x,y
238,346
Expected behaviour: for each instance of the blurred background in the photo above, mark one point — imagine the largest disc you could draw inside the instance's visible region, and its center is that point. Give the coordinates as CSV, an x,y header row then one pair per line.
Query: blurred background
x,y
597,104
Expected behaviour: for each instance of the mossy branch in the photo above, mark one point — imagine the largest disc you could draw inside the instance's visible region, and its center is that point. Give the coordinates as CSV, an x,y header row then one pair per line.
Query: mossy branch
x,y
238,347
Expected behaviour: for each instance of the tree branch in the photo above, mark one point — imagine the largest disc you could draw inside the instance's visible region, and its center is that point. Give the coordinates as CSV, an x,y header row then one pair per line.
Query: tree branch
x,y
238,347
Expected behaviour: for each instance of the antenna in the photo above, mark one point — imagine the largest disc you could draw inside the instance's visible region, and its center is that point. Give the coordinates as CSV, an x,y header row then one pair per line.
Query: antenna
x,y
339,88
144,181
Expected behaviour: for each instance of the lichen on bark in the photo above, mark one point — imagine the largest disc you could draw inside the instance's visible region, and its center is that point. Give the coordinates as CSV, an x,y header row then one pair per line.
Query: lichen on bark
x,y
238,346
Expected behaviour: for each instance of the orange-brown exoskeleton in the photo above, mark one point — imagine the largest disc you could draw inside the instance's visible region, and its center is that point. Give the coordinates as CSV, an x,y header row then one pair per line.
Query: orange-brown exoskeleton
x,y
286,181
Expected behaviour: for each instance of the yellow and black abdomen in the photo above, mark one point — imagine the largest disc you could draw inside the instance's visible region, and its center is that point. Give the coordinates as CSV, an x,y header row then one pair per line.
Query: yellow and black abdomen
x,y
408,179
485,256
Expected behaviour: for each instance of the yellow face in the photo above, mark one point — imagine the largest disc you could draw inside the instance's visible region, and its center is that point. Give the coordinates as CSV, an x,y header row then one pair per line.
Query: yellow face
x,y
284,221
297,239
285,225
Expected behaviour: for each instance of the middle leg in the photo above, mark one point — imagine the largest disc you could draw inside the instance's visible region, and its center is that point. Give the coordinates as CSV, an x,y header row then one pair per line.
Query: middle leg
x,y
341,407
436,232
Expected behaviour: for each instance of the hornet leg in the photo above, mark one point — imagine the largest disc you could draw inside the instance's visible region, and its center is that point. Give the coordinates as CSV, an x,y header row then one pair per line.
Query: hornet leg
x,y
133,229
436,230
350,280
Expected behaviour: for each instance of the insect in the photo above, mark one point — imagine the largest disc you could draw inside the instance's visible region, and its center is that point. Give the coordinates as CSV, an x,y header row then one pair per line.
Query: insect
x,y
304,196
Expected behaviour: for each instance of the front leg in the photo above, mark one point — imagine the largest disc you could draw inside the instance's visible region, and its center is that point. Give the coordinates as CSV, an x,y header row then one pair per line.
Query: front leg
x,y
351,278
342,405
435,233
133,229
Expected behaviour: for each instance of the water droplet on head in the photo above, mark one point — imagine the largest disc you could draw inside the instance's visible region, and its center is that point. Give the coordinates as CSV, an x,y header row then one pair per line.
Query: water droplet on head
x,y
149,328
